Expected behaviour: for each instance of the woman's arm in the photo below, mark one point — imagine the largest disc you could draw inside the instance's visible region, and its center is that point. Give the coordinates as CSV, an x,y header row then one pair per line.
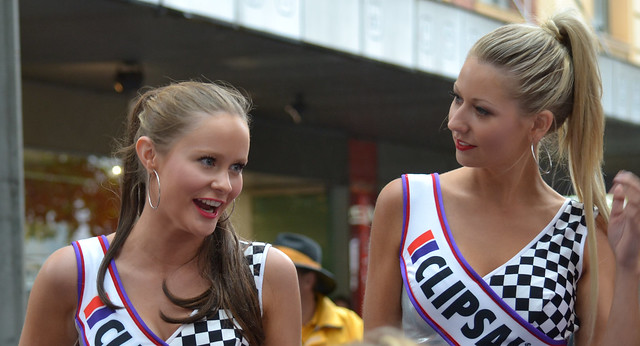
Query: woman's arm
x,y
52,302
282,318
382,305
618,307
623,326
586,296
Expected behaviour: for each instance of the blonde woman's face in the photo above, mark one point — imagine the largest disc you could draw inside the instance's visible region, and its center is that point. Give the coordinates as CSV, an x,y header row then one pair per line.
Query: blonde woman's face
x,y
201,175
487,126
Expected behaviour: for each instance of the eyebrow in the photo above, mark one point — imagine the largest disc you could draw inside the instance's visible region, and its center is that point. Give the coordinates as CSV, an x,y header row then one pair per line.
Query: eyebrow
x,y
456,89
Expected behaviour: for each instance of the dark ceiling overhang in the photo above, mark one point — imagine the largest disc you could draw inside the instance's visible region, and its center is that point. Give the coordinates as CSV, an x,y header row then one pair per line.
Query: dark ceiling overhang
x,y
80,45
71,51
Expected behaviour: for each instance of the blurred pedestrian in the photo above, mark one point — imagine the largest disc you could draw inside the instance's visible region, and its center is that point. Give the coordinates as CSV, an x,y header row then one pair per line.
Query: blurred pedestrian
x,y
174,272
490,254
323,322
343,301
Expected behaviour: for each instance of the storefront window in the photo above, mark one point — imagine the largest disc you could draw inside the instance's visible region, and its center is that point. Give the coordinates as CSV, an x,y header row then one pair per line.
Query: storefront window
x,y
67,197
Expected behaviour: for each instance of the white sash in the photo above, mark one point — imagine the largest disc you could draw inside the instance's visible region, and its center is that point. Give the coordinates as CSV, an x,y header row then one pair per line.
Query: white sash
x,y
446,292
97,324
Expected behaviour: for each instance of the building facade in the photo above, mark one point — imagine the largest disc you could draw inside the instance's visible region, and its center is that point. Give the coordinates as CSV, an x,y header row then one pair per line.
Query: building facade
x,y
348,95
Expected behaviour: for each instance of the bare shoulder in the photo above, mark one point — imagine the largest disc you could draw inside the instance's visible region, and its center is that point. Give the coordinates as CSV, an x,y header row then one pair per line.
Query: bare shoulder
x,y
280,278
384,280
394,185
52,302
391,195
59,272
281,301
605,256
452,180
387,217
279,265
605,276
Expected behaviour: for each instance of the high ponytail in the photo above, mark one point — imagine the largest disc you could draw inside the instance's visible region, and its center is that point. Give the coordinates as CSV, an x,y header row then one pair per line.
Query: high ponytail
x,y
555,68
581,139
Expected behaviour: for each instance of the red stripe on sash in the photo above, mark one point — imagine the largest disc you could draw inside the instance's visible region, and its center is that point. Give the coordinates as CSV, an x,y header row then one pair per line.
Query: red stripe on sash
x,y
94,304
423,238
466,269
432,322
124,301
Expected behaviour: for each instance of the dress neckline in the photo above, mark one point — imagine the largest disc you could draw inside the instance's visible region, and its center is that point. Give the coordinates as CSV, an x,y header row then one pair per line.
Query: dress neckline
x,y
454,245
128,305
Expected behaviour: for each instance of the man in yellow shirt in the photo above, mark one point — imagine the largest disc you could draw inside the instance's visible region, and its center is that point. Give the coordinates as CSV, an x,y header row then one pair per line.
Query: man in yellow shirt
x,y
323,322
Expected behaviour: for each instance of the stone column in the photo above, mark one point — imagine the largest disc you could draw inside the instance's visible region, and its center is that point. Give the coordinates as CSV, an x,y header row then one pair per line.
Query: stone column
x,y
12,293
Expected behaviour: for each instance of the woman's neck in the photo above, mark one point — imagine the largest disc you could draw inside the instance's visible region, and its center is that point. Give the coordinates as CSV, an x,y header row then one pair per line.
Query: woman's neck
x,y
154,244
506,188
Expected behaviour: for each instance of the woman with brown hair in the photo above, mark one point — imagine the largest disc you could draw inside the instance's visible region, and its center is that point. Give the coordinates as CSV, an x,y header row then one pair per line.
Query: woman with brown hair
x,y
174,272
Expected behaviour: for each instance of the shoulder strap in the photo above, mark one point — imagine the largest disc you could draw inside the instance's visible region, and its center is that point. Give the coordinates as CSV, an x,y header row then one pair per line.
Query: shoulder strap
x,y
256,255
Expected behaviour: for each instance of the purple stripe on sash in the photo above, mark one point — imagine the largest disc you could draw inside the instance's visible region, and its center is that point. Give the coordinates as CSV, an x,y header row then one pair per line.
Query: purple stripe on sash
x,y
485,286
80,266
405,200
99,315
129,306
425,249
403,265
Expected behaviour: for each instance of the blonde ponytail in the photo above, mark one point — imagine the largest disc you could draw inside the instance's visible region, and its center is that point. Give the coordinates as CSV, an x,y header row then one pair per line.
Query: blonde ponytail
x,y
581,139
555,68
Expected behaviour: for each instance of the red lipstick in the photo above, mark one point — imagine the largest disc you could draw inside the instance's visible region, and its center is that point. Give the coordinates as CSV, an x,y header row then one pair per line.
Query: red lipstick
x,y
462,146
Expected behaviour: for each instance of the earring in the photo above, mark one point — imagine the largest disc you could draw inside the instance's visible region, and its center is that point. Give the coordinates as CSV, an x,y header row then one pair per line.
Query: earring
x,y
148,192
233,207
535,158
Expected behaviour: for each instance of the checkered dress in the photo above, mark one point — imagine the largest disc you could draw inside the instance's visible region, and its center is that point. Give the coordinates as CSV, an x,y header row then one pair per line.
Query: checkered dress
x,y
97,324
540,283
221,329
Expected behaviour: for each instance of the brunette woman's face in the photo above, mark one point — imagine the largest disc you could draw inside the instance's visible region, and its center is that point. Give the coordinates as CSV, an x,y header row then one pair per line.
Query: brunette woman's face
x,y
201,175
486,123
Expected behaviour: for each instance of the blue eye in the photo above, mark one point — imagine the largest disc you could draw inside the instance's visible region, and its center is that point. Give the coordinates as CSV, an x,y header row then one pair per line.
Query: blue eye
x,y
237,168
482,111
207,160
456,98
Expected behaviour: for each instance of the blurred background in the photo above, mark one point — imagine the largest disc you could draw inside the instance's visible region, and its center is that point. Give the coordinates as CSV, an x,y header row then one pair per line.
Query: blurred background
x,y
348,95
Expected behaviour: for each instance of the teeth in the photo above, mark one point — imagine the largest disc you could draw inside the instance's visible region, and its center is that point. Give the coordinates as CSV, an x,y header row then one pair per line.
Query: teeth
x,y
210,203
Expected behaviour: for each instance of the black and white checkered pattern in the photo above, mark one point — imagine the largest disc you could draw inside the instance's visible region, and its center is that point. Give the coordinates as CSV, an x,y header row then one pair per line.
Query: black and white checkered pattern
x,y
540,284
253,254
220,329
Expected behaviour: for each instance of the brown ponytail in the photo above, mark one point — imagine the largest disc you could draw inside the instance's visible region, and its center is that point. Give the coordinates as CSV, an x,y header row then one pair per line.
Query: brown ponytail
x,y
164,115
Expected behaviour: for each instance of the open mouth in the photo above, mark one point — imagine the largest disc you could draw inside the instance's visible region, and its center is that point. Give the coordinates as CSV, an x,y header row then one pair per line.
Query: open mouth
x,y
462,146
207,207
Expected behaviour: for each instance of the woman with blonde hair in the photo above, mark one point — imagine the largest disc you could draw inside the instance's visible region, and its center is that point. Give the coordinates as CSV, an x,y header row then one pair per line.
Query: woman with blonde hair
x,y
174,272
489,253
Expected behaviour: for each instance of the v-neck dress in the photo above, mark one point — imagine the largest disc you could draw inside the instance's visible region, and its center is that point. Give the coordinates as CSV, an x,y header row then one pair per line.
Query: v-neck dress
x,y
97,324
535,290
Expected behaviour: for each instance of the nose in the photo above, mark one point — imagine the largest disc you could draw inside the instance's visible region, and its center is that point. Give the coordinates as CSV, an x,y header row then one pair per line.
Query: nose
x,y
221,181
456,119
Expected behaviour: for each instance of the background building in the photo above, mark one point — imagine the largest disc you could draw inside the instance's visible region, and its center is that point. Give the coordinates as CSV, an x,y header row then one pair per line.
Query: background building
x,y
348,95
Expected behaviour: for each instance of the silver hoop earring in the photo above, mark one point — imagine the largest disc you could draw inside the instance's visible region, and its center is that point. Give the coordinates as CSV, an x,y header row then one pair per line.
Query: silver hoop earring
x,y
535,158
233,207
148,191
